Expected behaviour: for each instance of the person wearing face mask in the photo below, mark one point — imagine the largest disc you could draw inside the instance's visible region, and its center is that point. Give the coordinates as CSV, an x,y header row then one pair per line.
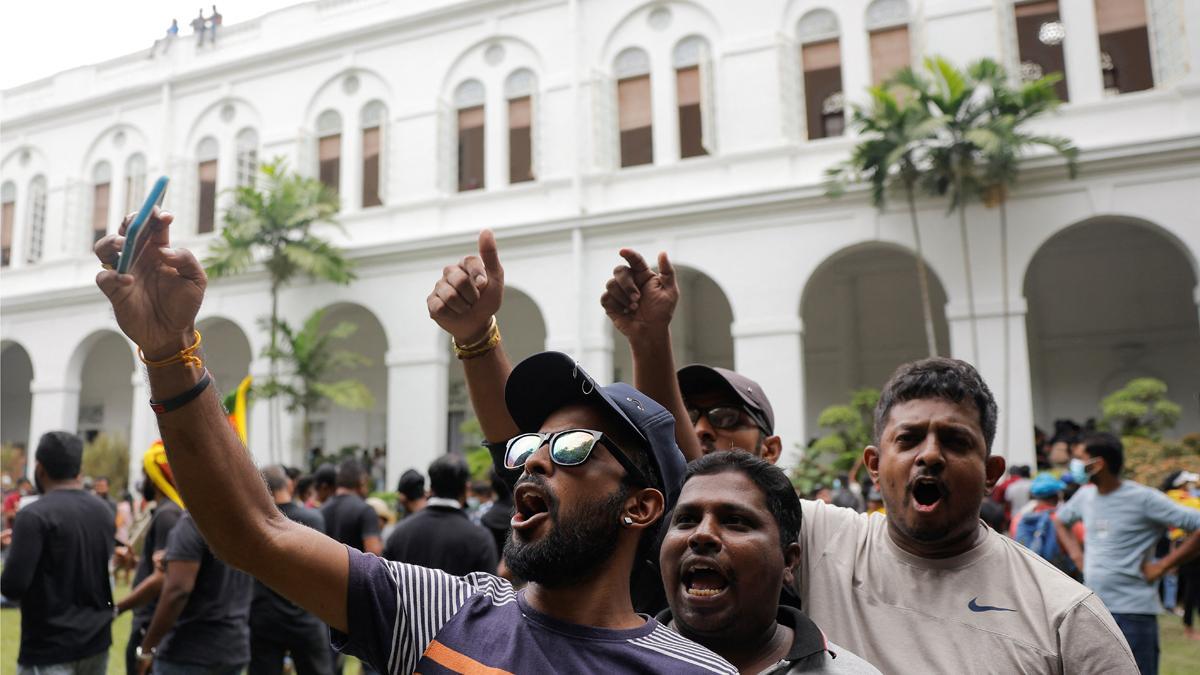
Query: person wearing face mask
x,y
1124,520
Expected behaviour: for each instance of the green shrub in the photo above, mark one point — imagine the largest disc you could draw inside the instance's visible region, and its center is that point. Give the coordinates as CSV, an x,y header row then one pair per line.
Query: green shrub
x,y
108,455
1141,408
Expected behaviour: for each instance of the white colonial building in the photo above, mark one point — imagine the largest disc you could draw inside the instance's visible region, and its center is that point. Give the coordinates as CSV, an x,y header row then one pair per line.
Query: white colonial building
x,y
576,127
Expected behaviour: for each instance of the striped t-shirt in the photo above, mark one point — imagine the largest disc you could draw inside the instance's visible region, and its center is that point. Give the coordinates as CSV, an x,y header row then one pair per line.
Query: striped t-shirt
x,y
405,618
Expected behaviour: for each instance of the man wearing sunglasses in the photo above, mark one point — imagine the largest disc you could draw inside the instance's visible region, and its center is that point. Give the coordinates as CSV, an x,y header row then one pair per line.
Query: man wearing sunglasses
x,y
574,616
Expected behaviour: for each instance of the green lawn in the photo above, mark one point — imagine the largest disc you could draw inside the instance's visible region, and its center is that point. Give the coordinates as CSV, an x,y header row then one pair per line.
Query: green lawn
x,y
10,641
1179,656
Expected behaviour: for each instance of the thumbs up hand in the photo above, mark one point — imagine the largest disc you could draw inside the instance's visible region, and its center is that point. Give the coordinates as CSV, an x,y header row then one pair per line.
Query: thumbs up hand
x,y
469,293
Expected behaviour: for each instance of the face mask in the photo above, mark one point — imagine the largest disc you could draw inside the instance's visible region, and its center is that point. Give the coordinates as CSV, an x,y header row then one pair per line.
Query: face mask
x,y
472,503
1079,472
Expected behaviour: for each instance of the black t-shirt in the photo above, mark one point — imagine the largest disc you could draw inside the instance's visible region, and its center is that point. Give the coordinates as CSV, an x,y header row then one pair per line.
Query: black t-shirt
x,y
58,568
445,539
213,628
271,613
161,523
498,521
350,520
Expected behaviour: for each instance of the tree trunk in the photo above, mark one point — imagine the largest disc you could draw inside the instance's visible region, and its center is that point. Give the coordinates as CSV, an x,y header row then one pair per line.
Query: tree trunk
x,y
922,276
966,256
273,404
1006,413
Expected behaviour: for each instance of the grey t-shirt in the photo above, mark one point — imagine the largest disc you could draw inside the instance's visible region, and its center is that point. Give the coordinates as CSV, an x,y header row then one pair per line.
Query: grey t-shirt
x,y
214,626
997,608
1121,530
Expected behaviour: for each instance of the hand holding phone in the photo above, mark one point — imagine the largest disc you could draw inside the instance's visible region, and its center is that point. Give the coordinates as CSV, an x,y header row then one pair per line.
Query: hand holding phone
x,y
135,234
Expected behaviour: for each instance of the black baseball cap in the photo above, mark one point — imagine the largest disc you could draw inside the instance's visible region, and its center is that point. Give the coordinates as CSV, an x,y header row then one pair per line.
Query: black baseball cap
x,y
545,382
699,377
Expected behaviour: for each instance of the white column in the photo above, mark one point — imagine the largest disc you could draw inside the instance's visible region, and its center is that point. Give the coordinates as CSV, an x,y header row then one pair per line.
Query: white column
x,y
664,113
258,435
351,182
54,407
495,141
770,351
1014,427
143,427
1081,51
856,58
416,421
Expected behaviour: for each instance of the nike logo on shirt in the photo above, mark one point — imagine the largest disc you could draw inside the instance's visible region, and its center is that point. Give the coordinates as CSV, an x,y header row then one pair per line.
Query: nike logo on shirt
x,y
976,607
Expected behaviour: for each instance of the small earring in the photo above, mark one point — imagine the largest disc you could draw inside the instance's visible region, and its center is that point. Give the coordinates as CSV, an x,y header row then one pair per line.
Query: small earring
x,y
628,521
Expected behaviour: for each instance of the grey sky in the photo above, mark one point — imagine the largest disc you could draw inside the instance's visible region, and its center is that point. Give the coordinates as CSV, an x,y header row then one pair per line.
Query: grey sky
x,y
41,37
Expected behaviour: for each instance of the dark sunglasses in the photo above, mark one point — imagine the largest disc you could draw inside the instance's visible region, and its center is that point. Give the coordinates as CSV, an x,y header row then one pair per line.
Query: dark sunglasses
x,y
570,447
725,417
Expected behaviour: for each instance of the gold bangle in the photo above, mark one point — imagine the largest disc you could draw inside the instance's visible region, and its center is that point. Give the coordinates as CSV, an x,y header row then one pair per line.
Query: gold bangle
x,y
186,356
487,335
480,347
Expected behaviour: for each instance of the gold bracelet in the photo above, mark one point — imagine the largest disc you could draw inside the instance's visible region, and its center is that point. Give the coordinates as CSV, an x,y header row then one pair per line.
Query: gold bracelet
x,y
487,335
480,347
186,356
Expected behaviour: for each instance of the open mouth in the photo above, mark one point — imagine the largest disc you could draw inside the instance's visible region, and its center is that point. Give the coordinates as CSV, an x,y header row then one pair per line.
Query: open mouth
x,y
927,493
702,581
530,504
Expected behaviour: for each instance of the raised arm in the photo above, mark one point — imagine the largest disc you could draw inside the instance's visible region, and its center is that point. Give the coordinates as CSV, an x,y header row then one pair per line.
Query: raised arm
x,y
156,305
463,303
640,302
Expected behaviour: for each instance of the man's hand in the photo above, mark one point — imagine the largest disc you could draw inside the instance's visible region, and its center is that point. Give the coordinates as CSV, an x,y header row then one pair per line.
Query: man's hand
x,y
143,666
1153,570
639,300
156,303
469,293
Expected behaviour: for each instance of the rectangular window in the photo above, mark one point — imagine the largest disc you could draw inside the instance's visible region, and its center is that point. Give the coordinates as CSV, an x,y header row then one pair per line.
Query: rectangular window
x,y
1039,42
37,224
134,192
99,211
1124,46
329,154
7,214
208,196
370,167
247,166
691,122
634,121
470,148
822,81
520,140
889,52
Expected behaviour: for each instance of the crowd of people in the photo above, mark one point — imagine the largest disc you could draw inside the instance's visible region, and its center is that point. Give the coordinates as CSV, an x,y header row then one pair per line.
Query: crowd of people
x,y
638,527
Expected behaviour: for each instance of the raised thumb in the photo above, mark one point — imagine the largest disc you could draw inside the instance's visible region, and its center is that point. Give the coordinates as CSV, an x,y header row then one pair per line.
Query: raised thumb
x,y
490,255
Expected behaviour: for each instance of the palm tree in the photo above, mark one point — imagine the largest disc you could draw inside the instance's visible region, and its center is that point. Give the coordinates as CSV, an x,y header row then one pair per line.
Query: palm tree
x,y
891,156
1002,140
273,222
313,359
952,98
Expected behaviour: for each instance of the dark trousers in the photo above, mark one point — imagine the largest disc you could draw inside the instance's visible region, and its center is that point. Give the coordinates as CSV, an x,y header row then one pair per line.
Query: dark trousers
x,y
308,645
1141,632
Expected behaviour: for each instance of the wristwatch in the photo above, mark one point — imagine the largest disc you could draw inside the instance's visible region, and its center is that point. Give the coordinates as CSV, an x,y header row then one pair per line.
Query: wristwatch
x,y
147,654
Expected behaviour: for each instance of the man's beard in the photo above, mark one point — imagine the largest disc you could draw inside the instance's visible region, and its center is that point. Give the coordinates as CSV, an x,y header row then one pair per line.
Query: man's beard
x,y
568,555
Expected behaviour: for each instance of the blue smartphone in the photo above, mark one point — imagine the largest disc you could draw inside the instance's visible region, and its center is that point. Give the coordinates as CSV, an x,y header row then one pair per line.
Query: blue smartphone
x,y
137,230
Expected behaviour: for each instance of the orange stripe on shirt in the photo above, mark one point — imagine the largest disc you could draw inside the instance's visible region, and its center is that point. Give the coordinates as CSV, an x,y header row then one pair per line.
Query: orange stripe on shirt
x,y
459,663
